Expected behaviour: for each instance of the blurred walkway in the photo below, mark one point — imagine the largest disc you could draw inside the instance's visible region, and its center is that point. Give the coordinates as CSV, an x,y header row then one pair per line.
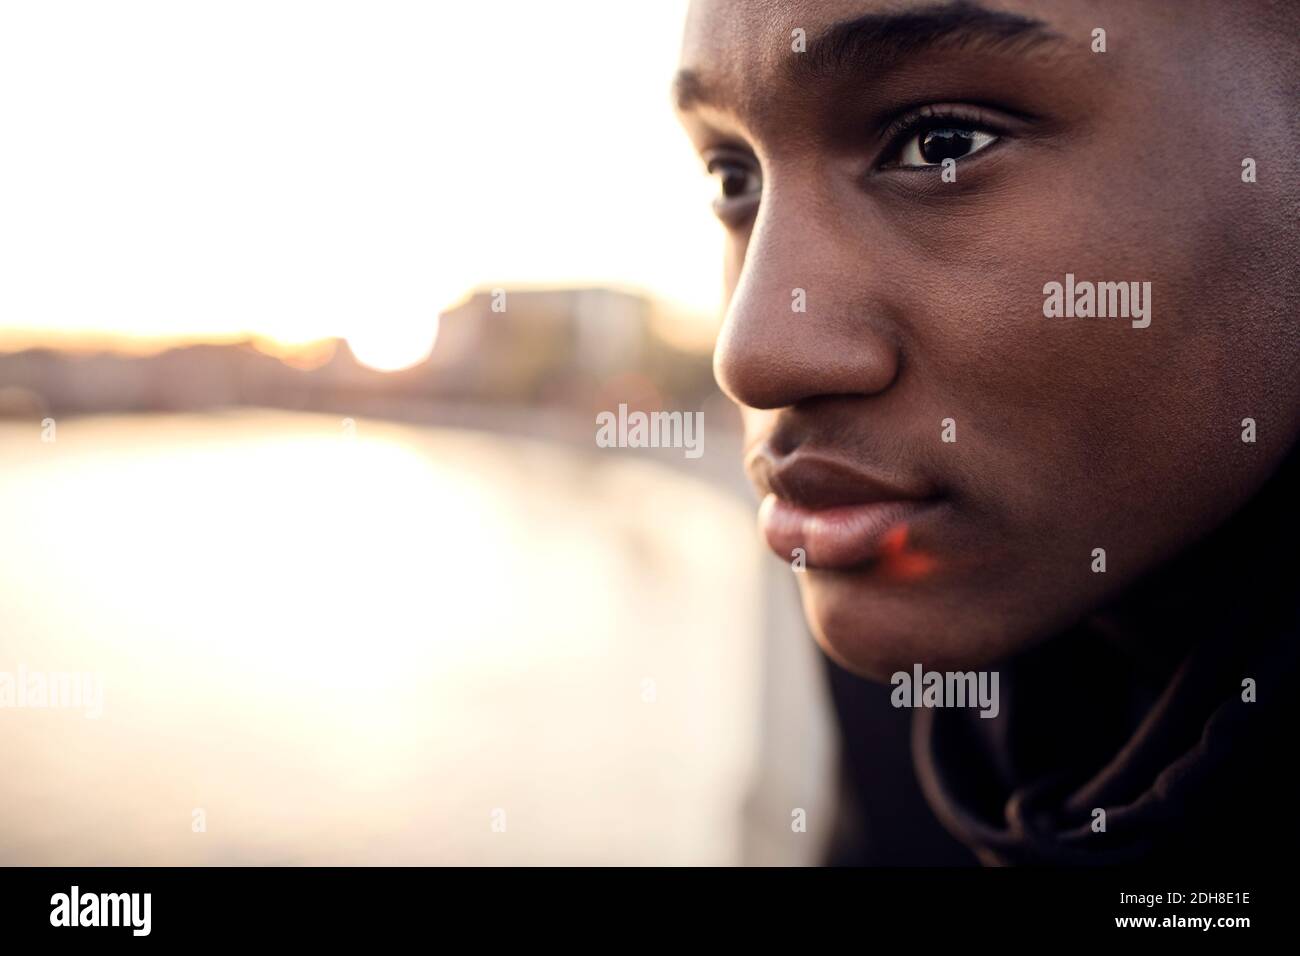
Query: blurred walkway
x,y
369,649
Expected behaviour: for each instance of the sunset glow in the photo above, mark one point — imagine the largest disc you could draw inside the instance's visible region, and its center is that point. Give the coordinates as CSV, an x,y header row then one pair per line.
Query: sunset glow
x,y
391,347
362,186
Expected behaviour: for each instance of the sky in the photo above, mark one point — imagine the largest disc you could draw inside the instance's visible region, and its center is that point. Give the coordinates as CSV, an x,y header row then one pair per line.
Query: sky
x,y
297,170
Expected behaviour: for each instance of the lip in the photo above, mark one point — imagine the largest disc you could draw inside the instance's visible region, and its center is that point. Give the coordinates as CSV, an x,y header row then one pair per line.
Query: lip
x,y
838,515
844,536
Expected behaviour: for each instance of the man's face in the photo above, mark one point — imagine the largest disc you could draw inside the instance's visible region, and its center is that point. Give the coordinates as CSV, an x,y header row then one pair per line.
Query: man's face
x,y
944,457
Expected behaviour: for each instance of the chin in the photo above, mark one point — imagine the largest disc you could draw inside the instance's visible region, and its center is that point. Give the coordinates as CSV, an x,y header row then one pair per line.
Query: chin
x,y
875,632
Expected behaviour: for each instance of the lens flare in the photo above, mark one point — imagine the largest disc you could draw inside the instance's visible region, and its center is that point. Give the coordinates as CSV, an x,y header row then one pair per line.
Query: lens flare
x,y
900,564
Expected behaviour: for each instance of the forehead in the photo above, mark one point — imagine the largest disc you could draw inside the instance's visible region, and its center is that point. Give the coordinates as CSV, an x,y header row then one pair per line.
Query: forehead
x,y
716,29
737,53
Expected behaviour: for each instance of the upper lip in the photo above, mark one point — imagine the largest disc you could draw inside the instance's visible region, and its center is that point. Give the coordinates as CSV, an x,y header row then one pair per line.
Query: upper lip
x,y
815,480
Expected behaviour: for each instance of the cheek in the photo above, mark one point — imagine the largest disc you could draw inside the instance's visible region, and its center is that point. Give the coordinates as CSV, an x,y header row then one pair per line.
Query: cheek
x,y
1062,406
1078,433
733,261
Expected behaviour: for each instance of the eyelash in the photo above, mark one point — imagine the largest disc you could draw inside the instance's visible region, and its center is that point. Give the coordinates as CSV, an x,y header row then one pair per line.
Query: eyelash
x,y
732,209
902,130
895,136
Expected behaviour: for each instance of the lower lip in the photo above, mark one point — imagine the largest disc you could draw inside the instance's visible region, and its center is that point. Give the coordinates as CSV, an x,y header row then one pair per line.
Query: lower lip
x,y
833,538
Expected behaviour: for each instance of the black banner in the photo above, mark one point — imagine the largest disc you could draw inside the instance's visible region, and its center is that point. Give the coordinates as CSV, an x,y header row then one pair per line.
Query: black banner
x,y
192,905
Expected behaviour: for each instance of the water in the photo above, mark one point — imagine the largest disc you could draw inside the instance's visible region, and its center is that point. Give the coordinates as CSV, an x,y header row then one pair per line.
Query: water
x,y
370,649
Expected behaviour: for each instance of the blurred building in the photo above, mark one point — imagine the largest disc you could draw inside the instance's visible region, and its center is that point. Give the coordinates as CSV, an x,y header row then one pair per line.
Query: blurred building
x,y
572,347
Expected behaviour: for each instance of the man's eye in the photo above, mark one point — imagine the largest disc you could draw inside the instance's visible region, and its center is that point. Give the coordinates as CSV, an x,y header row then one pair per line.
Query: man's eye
x,y
930,147
735,179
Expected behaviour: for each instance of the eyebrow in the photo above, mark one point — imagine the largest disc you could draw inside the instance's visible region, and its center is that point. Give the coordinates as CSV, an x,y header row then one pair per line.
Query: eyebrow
x,y
876,42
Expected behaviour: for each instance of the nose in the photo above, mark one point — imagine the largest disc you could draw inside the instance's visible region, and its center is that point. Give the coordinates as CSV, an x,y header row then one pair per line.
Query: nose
x,y
769,354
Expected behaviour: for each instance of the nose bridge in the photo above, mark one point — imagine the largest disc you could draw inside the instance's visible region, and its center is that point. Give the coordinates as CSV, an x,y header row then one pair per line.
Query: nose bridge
x,y
799,322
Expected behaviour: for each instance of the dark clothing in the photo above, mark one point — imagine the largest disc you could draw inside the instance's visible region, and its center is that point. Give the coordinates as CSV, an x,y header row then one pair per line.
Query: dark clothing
x,y
1137,711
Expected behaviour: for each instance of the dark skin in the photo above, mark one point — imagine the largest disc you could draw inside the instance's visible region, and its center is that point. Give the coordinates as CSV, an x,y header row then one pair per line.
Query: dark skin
x,y
924,297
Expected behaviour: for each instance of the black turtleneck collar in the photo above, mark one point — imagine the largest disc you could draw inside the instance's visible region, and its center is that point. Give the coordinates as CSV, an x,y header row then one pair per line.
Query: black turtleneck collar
x,y
1138,711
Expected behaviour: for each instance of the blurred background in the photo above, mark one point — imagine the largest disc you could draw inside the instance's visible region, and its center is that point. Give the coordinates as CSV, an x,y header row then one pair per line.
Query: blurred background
x,y
306,314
